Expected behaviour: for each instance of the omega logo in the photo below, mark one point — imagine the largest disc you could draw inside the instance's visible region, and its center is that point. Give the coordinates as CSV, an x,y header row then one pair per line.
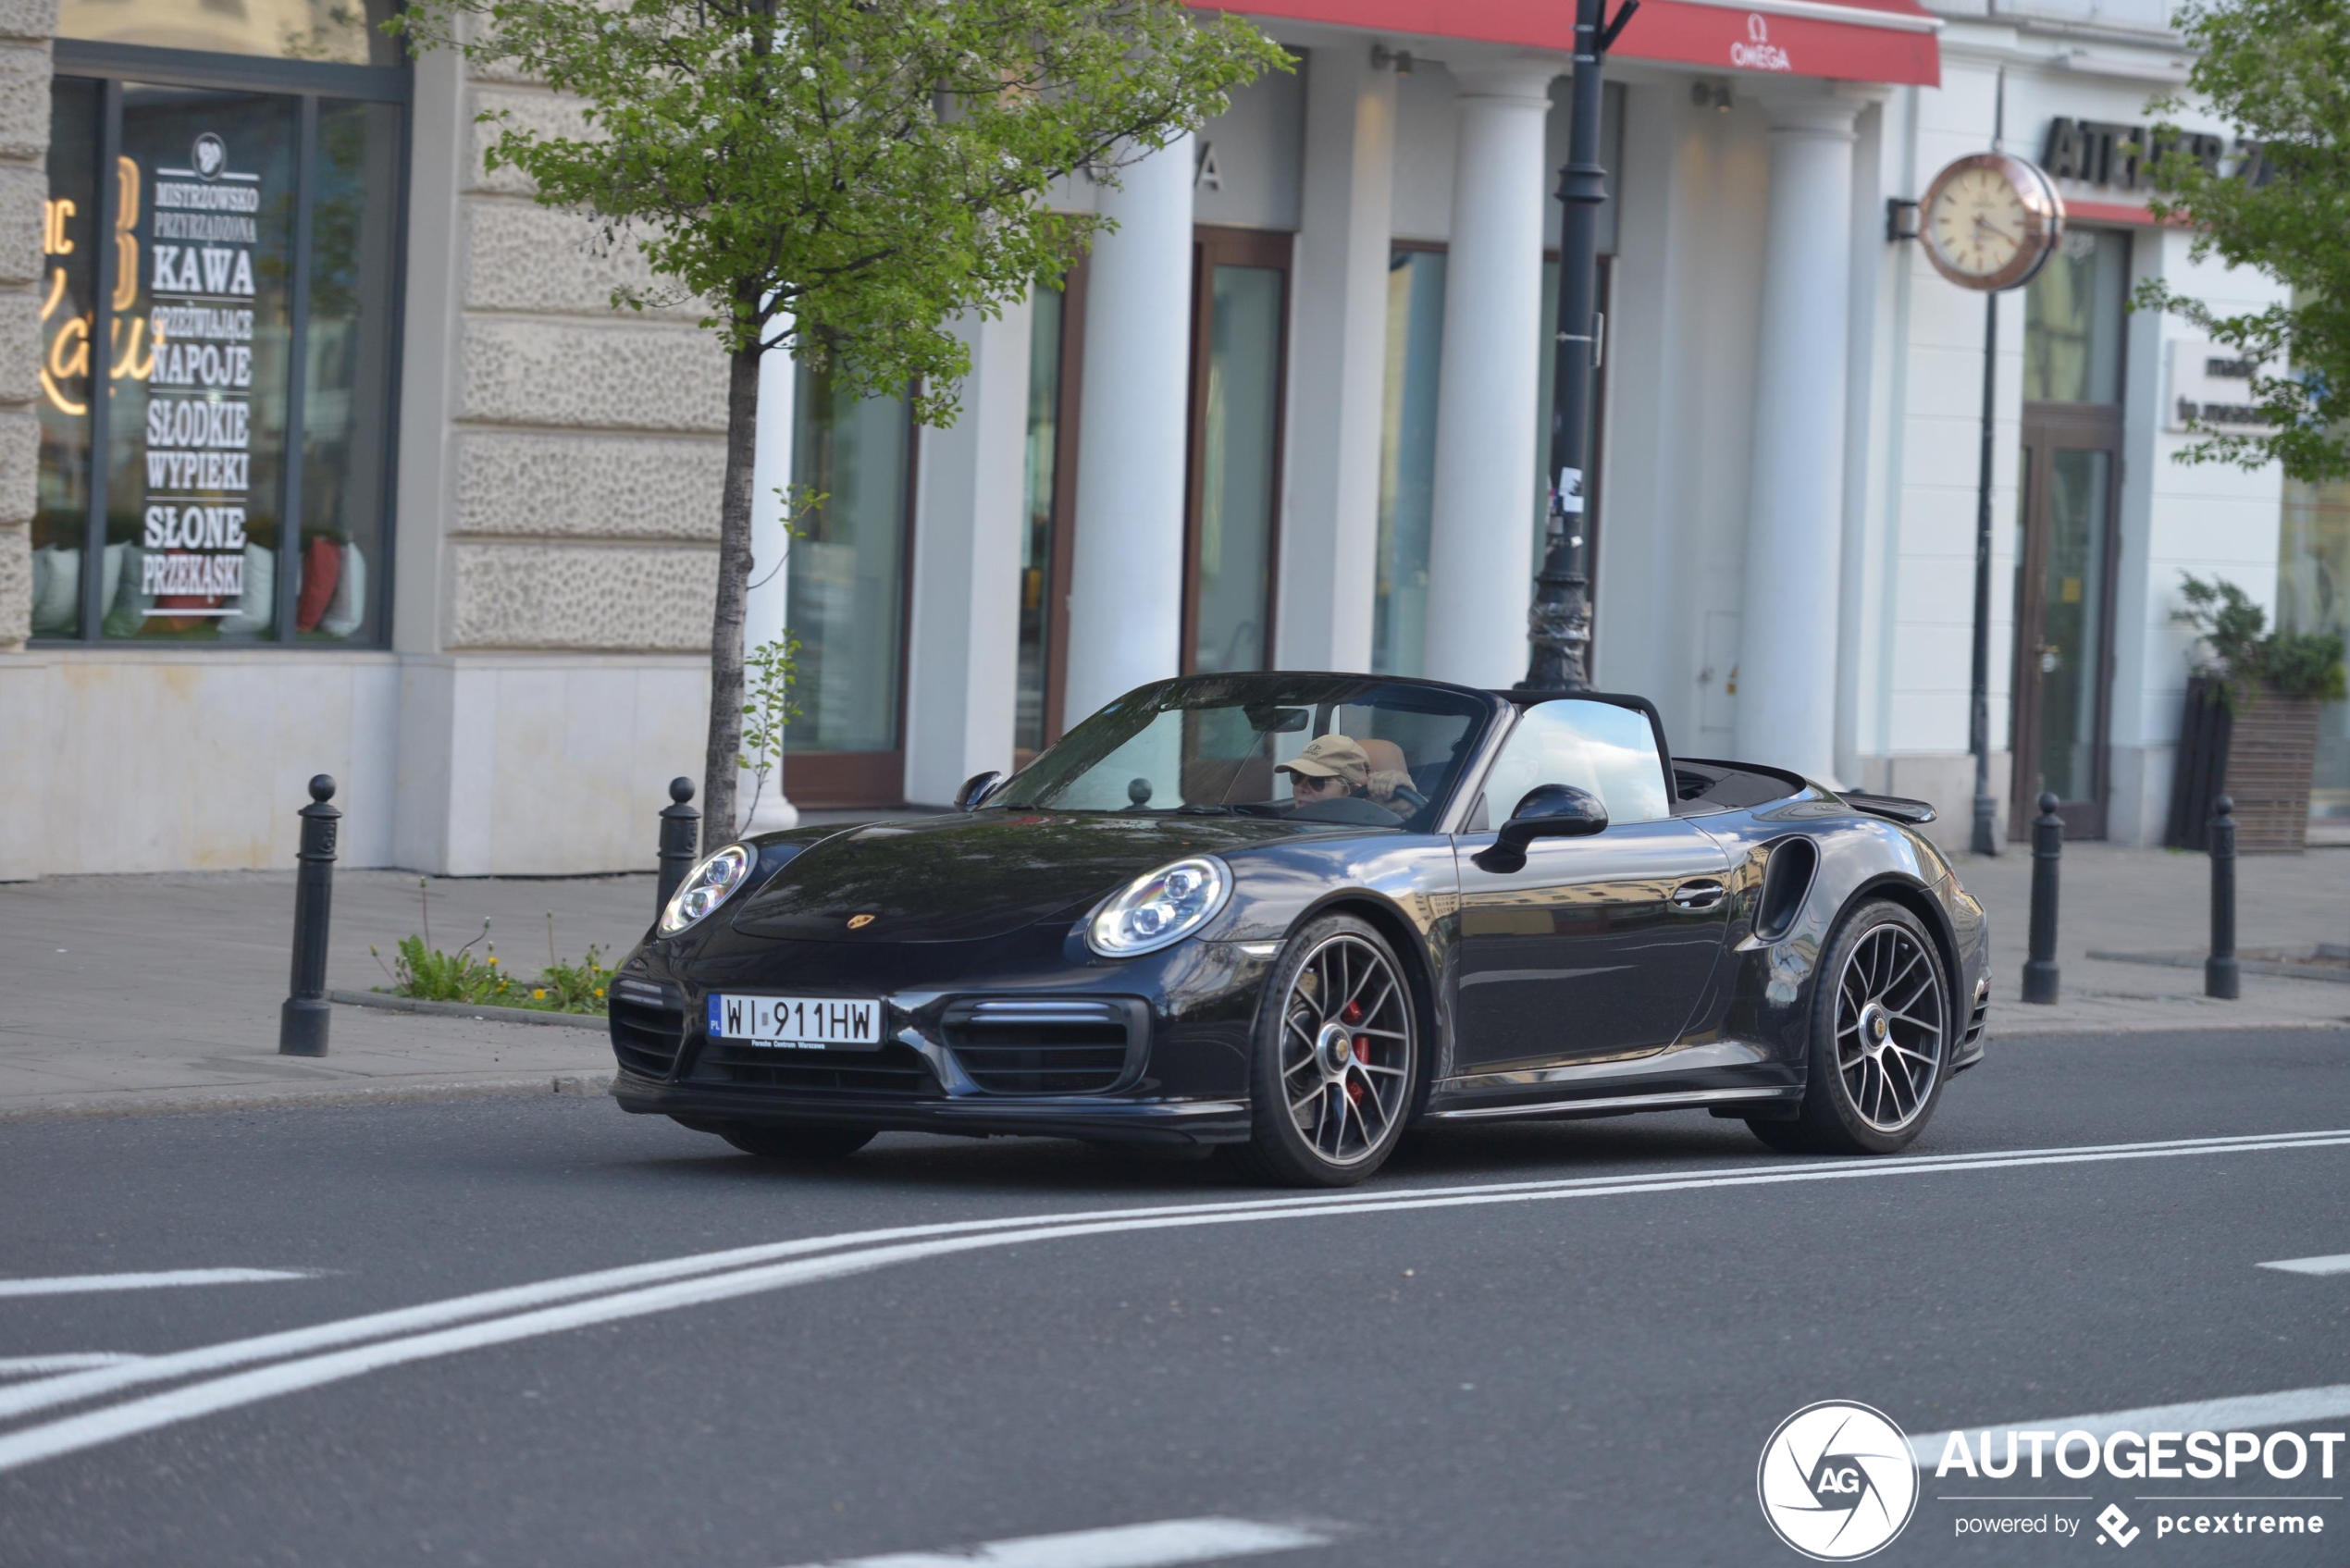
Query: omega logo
x,y
1758,53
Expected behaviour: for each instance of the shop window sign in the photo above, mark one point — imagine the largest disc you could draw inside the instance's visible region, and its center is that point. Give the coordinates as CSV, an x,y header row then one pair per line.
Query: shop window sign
x,y
218,475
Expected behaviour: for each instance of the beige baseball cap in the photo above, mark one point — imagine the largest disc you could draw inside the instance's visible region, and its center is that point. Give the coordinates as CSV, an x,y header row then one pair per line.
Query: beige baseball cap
x,y
1332,756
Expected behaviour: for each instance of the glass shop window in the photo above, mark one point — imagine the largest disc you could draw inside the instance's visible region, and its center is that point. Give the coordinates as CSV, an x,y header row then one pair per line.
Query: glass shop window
x,y
345,31
846,591
216,329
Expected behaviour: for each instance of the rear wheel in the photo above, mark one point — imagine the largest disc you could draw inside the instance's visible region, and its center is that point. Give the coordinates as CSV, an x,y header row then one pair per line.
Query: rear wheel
x,y
1881,1032
807,1142
1336,1059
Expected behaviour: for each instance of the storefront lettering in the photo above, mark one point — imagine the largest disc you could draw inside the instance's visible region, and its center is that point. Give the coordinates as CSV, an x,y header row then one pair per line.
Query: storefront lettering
x,y
2102,153
199,425
1756,52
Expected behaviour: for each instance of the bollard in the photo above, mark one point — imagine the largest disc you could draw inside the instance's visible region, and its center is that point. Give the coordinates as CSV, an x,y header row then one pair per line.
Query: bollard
x,y
302,1022
680,826
2047,849
2220,977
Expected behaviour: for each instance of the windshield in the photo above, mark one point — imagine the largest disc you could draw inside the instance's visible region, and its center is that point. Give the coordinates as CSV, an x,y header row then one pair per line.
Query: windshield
x,y
1314,748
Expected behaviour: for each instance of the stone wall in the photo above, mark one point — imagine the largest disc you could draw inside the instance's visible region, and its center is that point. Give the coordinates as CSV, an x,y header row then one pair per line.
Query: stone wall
x,y
587,444
25,29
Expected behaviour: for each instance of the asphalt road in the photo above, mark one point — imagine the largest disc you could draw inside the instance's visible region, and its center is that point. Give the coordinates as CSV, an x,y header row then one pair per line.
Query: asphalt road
x,y
1550,1375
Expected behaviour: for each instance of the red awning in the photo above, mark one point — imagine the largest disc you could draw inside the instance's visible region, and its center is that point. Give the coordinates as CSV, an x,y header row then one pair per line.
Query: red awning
x,y
1887,41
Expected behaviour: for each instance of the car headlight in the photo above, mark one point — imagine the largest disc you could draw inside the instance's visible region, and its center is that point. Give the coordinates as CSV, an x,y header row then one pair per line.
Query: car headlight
x,y
1161,909
707,886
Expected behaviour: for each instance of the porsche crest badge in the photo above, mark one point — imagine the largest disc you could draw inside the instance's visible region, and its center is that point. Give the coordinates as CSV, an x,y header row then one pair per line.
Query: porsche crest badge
x,y
859,923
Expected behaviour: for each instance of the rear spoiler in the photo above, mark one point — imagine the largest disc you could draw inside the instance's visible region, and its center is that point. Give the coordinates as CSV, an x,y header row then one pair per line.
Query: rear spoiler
x,y
1917,813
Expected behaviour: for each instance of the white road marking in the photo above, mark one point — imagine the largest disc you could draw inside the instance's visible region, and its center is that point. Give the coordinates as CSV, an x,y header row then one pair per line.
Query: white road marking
x,y
857,1253
2338,1263
32,1365
1127,1546
75,1284
2241,1412
400,1320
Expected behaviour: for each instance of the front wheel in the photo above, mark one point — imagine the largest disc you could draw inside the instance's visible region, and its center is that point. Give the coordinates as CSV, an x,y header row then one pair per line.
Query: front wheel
x,y
804,1143
1881,1032
1336,1059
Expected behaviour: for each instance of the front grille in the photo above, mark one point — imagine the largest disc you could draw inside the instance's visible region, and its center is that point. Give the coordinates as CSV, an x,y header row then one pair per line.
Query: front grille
x,y
648,1024
896,1070
1043,1047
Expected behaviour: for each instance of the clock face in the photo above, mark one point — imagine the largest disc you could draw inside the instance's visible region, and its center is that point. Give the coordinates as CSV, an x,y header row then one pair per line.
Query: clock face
x,y
1989,221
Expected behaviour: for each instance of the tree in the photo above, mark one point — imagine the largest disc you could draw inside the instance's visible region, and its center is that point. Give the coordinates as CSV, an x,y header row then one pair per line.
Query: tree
x,y
2280,71
839,179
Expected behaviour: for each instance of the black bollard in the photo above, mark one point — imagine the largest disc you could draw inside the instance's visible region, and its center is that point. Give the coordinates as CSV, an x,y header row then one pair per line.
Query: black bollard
x,y
2047,849
302,1022
680,826
2220,976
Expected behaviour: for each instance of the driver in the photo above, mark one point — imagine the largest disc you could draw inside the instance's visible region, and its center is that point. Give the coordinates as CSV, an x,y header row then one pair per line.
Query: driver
x,y
1334,767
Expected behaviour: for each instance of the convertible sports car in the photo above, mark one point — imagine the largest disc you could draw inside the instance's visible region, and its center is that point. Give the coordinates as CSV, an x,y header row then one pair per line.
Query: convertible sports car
x,y
1295,915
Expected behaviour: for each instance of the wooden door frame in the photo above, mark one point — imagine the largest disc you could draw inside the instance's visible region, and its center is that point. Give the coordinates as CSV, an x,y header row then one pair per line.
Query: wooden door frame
x,y
827,780
2047,428
1214,246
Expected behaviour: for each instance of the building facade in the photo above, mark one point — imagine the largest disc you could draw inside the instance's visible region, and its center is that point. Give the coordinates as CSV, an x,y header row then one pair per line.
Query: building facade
x,y
369,479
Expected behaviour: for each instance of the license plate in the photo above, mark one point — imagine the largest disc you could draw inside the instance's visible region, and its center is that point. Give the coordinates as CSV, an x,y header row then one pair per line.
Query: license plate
x,y
796,1024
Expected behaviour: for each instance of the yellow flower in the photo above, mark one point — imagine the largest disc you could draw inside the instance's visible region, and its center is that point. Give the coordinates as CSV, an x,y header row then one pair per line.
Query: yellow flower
x,y
538,995
599,991
493,960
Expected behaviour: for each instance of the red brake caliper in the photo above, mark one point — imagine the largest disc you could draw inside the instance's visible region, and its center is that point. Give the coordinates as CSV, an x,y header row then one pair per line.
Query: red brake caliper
x,y
1351,1013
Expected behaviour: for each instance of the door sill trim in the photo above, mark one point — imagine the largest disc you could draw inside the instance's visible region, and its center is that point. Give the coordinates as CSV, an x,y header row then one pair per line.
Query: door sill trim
x,y
1668,1100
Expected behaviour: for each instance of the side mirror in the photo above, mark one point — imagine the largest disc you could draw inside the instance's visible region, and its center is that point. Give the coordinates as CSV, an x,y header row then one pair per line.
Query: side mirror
x,y
1548,811
976,788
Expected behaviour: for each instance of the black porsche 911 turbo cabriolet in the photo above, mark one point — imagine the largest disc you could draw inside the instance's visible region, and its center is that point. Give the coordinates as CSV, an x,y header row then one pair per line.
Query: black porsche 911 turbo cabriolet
x,y
1295,915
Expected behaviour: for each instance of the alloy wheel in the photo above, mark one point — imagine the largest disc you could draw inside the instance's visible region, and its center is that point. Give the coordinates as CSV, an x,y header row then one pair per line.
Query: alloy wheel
x,y
1891,1021
1346,1049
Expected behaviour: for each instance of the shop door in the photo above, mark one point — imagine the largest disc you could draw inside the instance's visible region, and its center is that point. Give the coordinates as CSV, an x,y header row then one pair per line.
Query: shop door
x,y
2064,612
1240,318
2067,526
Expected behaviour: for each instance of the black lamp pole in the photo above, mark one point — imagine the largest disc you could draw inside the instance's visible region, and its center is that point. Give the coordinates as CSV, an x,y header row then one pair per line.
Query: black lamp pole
x,y
1559,624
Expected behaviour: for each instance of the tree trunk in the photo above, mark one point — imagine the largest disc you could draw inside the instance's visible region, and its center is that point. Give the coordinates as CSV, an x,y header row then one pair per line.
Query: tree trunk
x,y
719,767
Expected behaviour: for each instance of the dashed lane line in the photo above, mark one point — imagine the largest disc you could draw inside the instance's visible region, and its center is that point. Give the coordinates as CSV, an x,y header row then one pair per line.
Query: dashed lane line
x,y
31,1445
38,1365
77,1284
1158,1545
2338,1263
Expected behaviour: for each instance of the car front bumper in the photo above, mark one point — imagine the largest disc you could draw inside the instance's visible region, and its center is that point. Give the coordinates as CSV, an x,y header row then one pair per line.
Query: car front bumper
x,y
706,1105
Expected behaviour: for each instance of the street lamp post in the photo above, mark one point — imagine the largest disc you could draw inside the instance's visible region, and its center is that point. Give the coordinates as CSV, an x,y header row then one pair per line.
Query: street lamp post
x,y
1559,623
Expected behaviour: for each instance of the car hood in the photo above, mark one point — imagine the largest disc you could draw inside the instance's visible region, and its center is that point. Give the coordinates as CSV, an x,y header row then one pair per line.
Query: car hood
x,y
973,876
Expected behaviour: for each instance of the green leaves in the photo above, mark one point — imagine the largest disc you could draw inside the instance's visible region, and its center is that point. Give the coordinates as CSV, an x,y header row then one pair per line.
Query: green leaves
x,y
2245,653
841,178
2280,71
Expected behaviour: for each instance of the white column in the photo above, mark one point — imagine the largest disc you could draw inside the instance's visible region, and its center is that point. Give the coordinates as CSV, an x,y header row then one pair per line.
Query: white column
x,y
1330,526
962,656
764,607
1794,532
1482,534
1126,587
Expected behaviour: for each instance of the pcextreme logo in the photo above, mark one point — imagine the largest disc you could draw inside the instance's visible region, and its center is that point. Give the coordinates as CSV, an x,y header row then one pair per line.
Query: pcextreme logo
x,y
1836,1481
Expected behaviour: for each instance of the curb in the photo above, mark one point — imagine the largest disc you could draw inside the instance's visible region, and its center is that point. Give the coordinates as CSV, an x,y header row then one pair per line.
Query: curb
x,y
478,1013
175,1102
2245,966
2052,1028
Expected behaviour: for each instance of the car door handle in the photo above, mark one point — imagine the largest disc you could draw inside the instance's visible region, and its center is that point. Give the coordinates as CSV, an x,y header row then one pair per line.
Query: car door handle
x,y
1698,895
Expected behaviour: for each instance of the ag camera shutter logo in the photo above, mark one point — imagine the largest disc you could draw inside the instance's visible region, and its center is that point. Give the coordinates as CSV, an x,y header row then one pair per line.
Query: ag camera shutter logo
x,y
1836,1481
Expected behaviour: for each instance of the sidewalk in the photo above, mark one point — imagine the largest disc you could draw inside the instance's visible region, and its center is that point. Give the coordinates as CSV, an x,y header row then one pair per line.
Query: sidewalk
x,y
2158,902
145,992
